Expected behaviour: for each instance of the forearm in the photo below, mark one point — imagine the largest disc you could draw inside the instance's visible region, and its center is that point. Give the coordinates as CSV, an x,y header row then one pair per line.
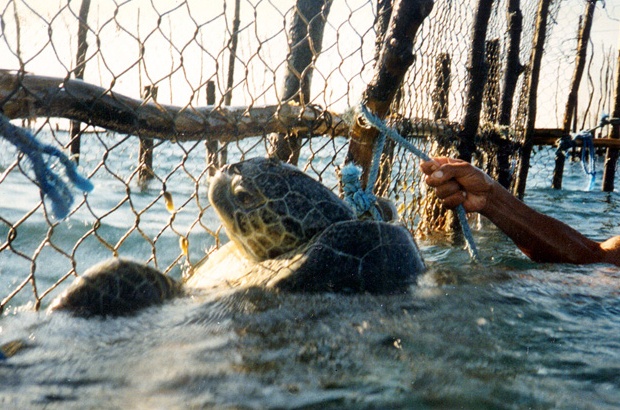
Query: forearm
x,y
540,237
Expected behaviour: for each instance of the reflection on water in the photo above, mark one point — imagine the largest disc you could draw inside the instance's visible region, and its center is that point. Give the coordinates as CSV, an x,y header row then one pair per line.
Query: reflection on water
x,y
503,333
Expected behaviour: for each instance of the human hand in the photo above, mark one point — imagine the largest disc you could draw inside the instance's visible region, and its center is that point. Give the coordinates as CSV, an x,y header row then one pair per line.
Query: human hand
x,y
458,182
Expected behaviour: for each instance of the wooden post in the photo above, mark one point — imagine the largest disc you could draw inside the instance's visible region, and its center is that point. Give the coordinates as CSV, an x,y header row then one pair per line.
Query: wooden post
x,y
232,46
384,14
491,87
611,157
305,44
382,21
538,43
442,87
212,145
512,72
394,60
80,66
18,37
434,216
571,103
145,157
477,74
498,158
513,66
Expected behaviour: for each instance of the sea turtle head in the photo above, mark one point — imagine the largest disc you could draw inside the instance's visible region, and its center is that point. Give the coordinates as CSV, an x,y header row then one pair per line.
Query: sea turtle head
x,y
269,207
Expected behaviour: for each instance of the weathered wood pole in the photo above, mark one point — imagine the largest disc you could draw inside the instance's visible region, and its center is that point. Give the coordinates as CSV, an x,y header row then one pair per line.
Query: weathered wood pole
x,y
212,145
305,45
611,157
80,66
18,37
538,44
513,70
477,76
394,60
145,156
442,87
382,21
571,102
491,87
435,217
498,158
222,158
27,96
513,67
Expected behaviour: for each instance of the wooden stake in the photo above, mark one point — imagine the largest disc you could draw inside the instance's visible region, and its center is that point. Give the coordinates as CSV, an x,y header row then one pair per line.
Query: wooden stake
x,y
212,145
538,45
611,157
305,45
571,103
145,164
394,60
80,67
477,74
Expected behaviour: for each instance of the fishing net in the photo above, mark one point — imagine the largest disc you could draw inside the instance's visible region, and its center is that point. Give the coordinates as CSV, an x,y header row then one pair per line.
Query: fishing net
x,y
126,88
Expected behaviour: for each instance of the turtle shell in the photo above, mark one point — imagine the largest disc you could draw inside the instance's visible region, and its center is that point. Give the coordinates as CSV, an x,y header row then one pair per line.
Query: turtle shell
x,y
116,287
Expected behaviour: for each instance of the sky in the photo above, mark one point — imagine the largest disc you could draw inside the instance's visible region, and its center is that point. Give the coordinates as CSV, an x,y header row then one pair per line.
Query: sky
x,y
183,43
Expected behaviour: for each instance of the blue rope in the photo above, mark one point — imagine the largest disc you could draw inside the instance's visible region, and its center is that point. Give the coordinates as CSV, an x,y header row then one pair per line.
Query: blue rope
x,y
396,137
354,195
41,156
588,156
588,153
363,201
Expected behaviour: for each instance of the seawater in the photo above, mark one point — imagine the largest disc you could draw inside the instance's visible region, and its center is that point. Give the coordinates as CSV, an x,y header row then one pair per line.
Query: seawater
x,y
502,333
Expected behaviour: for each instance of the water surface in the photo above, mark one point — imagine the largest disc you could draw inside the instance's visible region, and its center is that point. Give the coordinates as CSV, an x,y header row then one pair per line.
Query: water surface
x,y
502,333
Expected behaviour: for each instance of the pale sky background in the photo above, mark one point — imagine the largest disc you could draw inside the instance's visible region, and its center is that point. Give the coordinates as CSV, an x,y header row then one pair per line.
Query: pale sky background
x,y
199,30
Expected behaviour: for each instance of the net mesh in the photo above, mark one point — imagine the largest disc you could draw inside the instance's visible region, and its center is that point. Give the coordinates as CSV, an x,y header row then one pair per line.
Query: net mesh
x,y
150,201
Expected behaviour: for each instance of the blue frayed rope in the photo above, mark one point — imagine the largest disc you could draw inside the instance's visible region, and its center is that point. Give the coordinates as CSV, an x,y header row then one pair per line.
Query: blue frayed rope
x,y
384,130
588,153
363,201
588,156
40,156
354,195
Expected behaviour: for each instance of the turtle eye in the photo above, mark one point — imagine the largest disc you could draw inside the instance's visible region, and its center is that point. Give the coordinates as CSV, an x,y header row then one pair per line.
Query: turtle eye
x,y
244,198
235,169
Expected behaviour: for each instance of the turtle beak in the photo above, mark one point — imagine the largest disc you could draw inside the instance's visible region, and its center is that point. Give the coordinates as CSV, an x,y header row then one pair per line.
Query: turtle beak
x,y
220,194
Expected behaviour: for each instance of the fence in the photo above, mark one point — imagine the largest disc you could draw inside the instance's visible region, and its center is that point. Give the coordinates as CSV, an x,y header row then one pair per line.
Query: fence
x,y
170,92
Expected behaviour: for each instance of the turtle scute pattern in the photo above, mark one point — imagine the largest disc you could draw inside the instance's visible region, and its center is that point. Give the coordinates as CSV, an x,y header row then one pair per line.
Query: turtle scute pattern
x,y
270,208
116,287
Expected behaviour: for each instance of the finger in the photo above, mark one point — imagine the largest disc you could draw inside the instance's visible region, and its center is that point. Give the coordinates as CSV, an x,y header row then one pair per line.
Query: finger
x,y
440,176
448,189
454,200
432,165
455,169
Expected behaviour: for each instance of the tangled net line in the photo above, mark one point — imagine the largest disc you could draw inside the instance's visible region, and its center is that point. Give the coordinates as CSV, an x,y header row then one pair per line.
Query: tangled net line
x,y
363,200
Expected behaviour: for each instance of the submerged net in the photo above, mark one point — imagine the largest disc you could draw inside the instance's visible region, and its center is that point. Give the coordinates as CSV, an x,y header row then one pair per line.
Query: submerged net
x,y
149,201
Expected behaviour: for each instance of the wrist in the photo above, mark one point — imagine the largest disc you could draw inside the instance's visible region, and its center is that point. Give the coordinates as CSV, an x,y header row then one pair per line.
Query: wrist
x,y
499,200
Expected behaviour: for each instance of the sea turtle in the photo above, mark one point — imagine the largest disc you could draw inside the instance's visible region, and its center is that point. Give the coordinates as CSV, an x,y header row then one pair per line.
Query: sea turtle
x,y
288,232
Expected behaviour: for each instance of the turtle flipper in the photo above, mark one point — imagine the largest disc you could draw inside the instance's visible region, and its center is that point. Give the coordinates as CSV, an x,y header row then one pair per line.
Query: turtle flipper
x,y
357,256
116,287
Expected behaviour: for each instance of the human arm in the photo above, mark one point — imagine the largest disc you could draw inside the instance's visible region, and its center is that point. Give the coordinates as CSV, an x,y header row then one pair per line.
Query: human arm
x,y
540,237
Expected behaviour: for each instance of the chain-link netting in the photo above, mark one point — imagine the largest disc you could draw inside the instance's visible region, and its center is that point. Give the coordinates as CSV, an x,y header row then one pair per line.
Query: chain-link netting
x,y
158,71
